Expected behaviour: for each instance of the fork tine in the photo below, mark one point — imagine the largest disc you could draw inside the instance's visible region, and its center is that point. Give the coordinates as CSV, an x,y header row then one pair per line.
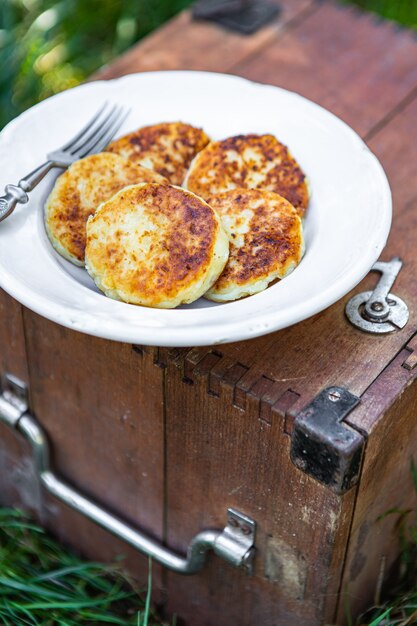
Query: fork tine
x,y
92,133
85,128
102,143
106,131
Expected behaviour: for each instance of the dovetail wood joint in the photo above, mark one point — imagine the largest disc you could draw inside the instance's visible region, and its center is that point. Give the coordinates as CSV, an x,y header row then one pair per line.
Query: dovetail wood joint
x,y
323,446
411,361
247,387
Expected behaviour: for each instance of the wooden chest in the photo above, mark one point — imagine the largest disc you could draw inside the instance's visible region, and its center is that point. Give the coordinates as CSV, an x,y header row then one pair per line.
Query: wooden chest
x,y
169,439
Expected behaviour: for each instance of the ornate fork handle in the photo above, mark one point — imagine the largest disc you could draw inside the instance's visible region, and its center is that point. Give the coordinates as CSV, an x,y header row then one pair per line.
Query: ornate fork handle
x,y
18,193
89,140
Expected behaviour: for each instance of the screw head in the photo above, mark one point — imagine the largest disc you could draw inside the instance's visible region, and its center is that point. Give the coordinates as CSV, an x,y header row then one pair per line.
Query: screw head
x,y
377,306
233,522
246,530
334,395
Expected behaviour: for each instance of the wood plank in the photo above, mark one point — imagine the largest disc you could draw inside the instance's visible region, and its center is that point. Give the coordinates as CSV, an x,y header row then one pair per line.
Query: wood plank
x,y
338,57
218,456
396,147
386,483
14,455
101,403
187,44
12,338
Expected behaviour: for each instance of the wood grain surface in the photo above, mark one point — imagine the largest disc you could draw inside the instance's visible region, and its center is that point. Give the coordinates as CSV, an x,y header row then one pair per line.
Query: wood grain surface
x,y
338,57
186,44
12,338
233,457
15,460
386,483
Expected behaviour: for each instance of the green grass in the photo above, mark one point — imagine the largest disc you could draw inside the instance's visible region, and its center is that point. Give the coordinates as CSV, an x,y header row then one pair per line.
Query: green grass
x,y
42,584
47,46
401,11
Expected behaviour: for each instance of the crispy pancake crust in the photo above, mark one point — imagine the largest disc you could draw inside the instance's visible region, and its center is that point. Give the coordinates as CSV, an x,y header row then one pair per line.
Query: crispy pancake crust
x,y
79,191
249,162
166,148
155,245
266,241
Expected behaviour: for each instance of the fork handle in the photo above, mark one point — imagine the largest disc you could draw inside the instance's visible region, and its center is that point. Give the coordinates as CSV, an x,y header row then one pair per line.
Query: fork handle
x,y
16,194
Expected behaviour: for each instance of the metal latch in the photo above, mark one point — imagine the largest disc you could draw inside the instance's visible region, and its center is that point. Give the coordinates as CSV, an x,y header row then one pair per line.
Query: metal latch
x,y
243,16
379,311
234,544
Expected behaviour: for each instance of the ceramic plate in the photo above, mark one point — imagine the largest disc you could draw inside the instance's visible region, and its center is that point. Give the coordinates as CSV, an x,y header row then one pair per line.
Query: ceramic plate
x,y
346,227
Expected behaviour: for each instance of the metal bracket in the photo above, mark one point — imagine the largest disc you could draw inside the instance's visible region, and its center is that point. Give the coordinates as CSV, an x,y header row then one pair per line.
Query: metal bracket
x,y
13,399
234,544
237,538
322,445
243,16
379,311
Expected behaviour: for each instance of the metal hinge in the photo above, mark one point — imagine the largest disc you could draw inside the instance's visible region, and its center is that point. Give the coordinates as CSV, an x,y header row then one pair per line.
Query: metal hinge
x,y
234,544
379,311
243,16
323,446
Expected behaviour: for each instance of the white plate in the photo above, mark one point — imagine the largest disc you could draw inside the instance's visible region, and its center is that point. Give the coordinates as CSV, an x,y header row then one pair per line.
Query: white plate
x,y
346,228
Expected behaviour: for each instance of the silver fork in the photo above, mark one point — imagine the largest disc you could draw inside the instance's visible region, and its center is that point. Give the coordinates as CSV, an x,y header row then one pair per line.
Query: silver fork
x,y
91,139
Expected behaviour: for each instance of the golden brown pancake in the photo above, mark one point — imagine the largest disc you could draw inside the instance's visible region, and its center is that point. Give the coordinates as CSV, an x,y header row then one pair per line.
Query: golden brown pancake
x,y
155,245
79,191
166,148
250,162
266,241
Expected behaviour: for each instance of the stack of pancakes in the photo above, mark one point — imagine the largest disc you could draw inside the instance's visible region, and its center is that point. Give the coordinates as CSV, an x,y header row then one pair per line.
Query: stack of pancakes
x,y
232,228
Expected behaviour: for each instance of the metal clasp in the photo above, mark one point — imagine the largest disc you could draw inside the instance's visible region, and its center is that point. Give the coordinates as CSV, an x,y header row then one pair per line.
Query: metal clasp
x,y
243,16
379,311
235,543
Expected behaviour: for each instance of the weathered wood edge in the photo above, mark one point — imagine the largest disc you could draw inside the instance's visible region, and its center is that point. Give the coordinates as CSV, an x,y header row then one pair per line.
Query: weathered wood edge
x,y
272,395
381,479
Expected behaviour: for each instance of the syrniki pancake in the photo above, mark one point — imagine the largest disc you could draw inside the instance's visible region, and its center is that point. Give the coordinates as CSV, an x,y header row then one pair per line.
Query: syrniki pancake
x,y
166,148
79,191
250,162
266,241
155,245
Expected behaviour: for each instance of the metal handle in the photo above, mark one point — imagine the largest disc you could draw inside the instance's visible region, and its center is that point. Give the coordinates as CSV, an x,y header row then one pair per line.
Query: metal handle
x,y
235,543
16,194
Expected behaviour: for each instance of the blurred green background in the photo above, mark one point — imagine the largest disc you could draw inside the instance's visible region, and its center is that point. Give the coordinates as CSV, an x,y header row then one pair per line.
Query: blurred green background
x,y
48,45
